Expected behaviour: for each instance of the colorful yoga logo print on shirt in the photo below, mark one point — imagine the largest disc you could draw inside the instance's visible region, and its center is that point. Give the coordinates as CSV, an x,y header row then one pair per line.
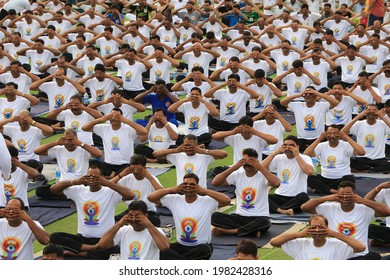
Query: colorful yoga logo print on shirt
x,y
248,196
259,102
338,116
75,125
137,195
91,213
10,247
331,162
285,176
310,123
134,250
22,145
188,230
8,113
71,165
115,143
387,89
348,229
194,123
369,141
189,168
100,95
9,191
59,100
230,108
158,138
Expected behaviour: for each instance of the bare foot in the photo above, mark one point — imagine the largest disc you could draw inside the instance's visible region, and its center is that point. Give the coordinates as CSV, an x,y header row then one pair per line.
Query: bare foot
x,y
223,231
286,212
376,243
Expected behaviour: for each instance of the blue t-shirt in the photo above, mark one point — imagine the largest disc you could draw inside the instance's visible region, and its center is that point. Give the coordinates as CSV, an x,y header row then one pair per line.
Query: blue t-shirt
x,y
115,19
233,20
156,102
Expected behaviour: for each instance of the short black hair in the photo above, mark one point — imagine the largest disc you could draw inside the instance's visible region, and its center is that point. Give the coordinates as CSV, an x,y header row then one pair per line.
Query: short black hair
x,y
138,159
250,153
345,184
192,175
247,247
138,205
292,138
246,120
53,249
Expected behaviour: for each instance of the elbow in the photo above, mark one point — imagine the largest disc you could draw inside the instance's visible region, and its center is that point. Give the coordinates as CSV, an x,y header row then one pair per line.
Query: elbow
x,y
98,154
360,248
165,246
272,140
288,129
221,155
45,239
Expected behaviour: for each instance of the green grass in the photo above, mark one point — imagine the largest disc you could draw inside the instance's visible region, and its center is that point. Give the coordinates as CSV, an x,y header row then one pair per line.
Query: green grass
x,y
168,180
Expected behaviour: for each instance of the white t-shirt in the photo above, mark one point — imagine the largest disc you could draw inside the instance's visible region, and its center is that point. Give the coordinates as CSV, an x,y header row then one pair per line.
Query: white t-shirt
x,y
319,71
76,122
292,178
203,60
160,71
232,106
383,85
270,42
17,186
276,129
283,62
251,193
159,137
17,242
141,189
37,60
13,108
196,120
23,81
107,47
297,84
224,57
366,95
118,144
353,223
197,164
244,76
100,91
339,29
127,110
72,164
134,41
25,141
239,144
28,30
350,69
12,50
296,38
378,55
304,249
58,95
136,245
342,113
265,97
192,220
310,121
384,197
335,162
88,65
95,210
187,86
371,137
74,50
131,74
168,37
216,28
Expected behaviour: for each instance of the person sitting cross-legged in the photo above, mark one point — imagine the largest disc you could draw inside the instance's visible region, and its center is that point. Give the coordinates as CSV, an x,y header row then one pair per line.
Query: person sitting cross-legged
x,y
251,181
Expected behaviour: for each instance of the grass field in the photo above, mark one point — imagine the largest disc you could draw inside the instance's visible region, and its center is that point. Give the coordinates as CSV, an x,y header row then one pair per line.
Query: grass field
x,y
168,179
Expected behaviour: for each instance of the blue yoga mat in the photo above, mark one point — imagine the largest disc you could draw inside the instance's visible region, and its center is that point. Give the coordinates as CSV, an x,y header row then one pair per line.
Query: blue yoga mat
x,y
46,215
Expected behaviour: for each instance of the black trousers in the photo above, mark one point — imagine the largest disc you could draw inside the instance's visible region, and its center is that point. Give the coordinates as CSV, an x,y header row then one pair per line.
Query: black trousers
x,y
181,252
304,143
287,202
219,125
379,233
247,226
72,242
373,165
324,185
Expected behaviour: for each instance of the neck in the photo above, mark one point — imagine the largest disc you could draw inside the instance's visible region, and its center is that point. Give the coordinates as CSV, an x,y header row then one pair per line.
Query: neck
x,y
319,241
